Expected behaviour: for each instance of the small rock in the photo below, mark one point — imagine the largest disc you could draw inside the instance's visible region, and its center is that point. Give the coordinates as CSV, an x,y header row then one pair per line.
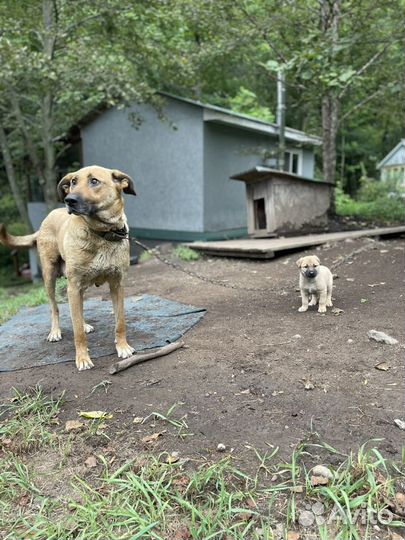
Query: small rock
x,y
138,420
350,341
293,535
318,508
297,336
381,337
400,499
400,423
321,470
306,518
221,447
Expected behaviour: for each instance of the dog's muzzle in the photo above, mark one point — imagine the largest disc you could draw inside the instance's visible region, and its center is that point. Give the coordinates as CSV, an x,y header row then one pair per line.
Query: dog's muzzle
x,y
311,273
76,205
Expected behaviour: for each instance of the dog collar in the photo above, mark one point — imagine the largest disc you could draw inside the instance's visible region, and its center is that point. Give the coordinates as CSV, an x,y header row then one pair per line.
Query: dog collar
x,y
116,235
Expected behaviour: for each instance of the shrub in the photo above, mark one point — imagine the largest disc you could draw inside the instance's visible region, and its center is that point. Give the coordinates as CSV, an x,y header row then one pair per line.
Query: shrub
x,y
376,201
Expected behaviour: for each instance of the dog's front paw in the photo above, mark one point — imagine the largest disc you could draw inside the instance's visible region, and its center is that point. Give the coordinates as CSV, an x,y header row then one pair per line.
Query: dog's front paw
x,y
124,350
83,362
302,309
88,328
322,309
54,335
329,304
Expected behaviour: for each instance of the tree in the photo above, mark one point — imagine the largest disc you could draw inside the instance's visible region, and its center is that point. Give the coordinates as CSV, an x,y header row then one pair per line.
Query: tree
x,y
61,59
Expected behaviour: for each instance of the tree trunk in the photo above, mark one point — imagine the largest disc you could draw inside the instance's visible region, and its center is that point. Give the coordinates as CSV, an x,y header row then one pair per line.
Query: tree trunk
x,y
32,152
49,171
330,115
330,18
11,176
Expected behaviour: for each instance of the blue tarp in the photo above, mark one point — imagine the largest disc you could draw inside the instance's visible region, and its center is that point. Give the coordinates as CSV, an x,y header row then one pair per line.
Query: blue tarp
x,y
151,322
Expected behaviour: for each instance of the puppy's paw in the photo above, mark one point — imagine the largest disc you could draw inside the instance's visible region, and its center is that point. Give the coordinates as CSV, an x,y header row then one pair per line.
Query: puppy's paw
x,y
329,304
54,335
302,309
124,350
83,362
313,301
322,309
88,328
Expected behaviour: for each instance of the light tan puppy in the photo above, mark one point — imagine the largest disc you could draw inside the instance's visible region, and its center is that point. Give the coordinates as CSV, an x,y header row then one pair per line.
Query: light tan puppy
x,y
88,242
316,282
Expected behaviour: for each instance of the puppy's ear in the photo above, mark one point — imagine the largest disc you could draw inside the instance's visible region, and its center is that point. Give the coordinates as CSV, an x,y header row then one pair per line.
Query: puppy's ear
x,y
299,262
125,181
63,186
317,259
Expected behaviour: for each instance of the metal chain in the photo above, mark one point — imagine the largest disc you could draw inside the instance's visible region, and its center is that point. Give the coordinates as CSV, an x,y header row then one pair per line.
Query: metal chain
x,y
177,266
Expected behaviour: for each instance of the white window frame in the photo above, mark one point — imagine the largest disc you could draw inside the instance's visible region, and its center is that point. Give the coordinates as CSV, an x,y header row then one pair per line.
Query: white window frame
x,y
297,152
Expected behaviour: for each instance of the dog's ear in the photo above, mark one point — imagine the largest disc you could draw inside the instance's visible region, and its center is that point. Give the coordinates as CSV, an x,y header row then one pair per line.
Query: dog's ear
x,y
63,186
299,262
125,181
317,259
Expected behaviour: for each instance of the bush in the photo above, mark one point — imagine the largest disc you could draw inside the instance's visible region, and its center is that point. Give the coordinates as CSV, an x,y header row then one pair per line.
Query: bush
x,y
375,201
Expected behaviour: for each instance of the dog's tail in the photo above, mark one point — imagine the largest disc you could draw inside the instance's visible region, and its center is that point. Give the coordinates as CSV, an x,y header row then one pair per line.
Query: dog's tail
x,y
18,242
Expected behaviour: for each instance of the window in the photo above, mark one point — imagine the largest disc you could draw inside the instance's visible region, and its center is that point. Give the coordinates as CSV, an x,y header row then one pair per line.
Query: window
x,y
292,161
260,214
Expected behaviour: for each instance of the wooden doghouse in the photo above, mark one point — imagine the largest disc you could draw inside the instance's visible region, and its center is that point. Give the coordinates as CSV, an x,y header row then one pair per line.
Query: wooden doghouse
x,y
282,202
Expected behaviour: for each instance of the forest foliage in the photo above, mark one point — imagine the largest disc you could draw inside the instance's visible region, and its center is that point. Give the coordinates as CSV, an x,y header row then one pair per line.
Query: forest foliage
x,y
343,61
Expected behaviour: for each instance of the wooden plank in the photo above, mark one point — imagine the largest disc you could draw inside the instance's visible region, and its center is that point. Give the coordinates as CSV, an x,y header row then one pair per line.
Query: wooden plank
x,y
266,247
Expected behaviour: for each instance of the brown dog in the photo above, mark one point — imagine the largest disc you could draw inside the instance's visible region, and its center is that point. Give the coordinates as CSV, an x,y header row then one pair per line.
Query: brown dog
x,y
316,282
88,242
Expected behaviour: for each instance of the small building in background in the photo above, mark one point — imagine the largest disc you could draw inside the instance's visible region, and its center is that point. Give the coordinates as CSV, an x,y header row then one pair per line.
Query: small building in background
x,y
392,167
182,165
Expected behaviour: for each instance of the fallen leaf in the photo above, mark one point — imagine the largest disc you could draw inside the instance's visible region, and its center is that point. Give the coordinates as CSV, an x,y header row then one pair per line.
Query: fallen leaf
x,y
337,311
292,535
319,480
297,489
24,500
363,300
172,458
382,366
138,420
183,533
91,462
277,392
95,414
181,481
349,279
74,425
153,437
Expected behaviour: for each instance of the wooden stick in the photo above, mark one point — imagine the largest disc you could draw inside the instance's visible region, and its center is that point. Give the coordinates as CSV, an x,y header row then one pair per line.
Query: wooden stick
x,y
138,358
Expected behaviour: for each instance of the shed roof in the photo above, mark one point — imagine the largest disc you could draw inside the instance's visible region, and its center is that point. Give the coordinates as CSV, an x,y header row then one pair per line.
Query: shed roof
x,y
219,115
262,173
384,161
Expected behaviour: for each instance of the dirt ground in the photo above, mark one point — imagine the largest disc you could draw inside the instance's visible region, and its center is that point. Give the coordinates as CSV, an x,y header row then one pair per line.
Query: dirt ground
x,y
241,380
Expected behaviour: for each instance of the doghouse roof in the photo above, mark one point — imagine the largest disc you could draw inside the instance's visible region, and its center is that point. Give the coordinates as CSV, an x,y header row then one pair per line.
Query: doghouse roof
x,y
257,174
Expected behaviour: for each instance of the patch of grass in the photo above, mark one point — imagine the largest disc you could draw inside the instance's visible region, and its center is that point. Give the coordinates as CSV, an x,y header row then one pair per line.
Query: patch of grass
x,y
148,498
11,300
26,420
145,256
186,254
179,423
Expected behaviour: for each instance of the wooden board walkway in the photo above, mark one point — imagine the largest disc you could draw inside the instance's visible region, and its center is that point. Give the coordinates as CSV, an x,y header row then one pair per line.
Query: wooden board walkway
x,y
265,248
